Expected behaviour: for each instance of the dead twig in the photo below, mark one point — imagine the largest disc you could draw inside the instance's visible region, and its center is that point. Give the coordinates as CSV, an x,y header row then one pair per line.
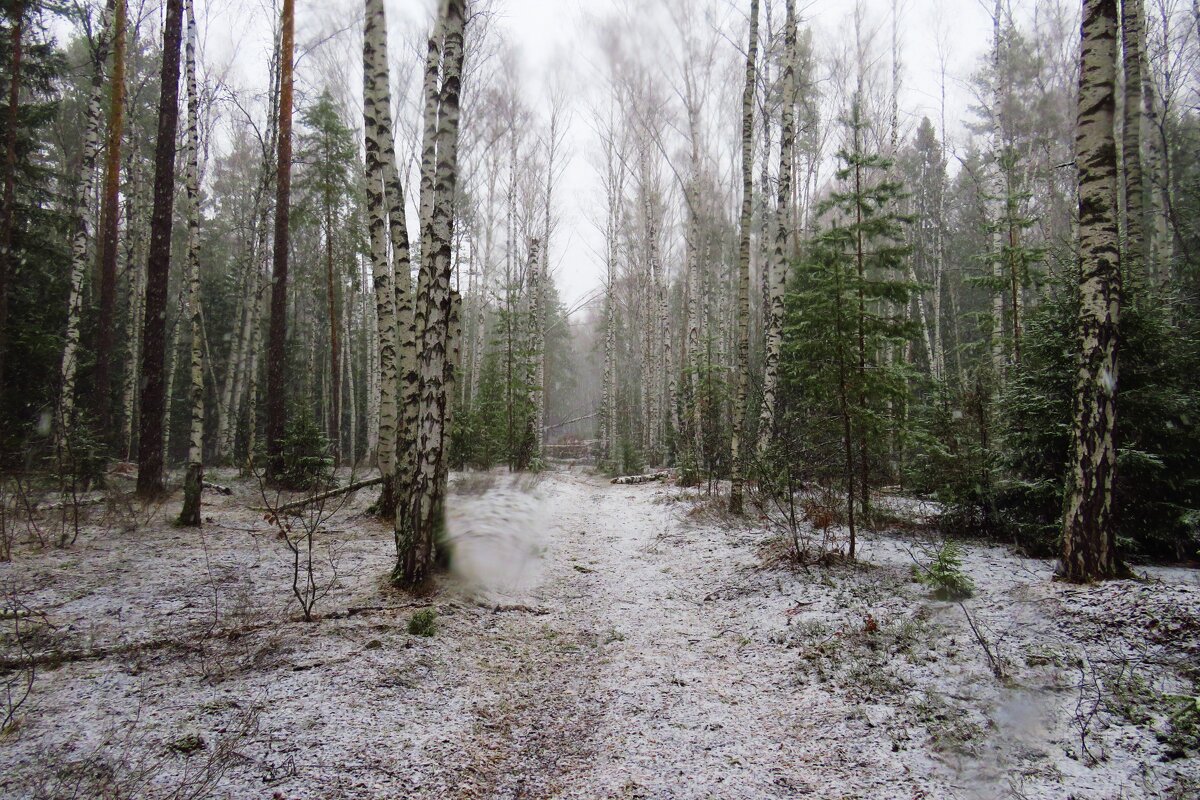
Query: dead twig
x,y
993,658
319,498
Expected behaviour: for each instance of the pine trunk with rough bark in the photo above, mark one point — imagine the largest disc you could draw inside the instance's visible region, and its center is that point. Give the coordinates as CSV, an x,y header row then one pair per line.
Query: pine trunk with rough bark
x,y
193,482
737,445
1089,535
277,337
109,226
153,400
17,16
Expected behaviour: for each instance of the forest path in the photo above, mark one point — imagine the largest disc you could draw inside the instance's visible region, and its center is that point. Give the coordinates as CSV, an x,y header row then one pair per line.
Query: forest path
x,y
641,680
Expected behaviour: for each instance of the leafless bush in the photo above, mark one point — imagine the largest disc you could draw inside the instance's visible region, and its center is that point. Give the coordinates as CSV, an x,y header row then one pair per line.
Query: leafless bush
x,y
809,516
21,623
297,524
1088,705
130,762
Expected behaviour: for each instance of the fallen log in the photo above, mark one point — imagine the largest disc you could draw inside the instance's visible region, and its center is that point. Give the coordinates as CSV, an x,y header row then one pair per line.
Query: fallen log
x,y
629,480
218,488
76,503
317,498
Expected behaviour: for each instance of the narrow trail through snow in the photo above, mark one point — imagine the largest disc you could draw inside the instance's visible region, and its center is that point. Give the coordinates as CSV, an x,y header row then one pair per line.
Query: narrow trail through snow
x,y
640,681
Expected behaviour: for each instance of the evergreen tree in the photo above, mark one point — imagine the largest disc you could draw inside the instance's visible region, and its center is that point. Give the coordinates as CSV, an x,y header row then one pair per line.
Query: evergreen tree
x,y
33,286
844,315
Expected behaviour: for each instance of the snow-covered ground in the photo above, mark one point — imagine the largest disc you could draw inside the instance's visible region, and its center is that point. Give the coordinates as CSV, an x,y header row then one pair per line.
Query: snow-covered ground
x,y
596,641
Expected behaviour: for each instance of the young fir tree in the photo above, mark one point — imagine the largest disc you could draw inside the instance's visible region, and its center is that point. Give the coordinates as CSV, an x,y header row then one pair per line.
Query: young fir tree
x,y
1018,261
843,314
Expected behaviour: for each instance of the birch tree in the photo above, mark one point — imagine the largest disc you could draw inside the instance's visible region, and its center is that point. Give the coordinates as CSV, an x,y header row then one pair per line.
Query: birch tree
x,y
65,416
377,108
194,480
433,307
1089,539
777,268
1135,256
737,452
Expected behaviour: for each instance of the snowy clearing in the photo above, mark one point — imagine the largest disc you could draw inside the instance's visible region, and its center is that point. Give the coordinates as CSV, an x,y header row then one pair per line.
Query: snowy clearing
x,y
598,641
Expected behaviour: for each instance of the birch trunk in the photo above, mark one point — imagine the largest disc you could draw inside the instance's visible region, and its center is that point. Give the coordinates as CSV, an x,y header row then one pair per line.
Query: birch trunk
x,y
172,365
539,317
737,449
777,269
995,201
235,377
695,283
332,279
348,379
65,416
1136,255
1089,535
405,324
434,310
245,377
134,258
1163,244
536,366
194,480
608,428
376,108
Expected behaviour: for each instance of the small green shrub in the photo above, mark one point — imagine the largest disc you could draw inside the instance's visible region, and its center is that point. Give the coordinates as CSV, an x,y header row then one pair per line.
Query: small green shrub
x,y
945,573
423,622
631,458
307,464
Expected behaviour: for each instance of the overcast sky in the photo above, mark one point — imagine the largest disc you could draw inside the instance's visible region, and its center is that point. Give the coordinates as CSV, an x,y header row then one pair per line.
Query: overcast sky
x,y
557,37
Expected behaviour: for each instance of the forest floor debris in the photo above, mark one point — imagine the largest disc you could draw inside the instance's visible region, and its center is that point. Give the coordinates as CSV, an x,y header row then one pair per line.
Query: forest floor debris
x,y
652,652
